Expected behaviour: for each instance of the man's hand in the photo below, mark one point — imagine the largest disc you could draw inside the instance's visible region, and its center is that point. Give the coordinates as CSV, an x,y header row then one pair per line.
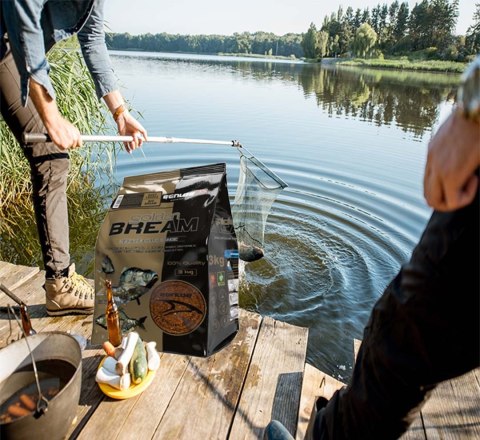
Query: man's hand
x,y
129,126
126,123
62,133
450,181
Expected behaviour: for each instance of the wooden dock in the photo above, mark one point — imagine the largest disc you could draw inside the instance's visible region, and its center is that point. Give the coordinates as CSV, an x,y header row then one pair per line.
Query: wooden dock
x,y
261,375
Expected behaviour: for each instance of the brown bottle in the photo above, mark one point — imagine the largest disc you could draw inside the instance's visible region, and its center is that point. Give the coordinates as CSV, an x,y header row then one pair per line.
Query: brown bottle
x,y
113,318
26,323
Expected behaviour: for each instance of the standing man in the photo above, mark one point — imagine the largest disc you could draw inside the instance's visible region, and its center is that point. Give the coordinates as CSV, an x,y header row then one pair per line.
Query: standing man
x,y
28,29
425,327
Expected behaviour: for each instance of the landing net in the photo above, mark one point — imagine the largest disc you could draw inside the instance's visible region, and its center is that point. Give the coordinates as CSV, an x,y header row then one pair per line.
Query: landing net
x,y
257,189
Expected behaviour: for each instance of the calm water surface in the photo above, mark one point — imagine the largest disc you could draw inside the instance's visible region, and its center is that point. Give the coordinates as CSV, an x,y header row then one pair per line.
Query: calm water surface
x,y
350,144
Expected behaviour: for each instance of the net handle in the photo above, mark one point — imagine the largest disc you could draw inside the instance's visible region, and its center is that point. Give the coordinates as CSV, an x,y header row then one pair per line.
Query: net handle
x,y
31,138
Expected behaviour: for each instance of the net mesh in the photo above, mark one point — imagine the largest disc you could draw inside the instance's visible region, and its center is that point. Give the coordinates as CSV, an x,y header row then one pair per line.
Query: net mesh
x,y
257,189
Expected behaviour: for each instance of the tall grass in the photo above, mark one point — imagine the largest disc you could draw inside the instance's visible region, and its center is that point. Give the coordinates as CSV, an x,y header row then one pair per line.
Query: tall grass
x,y
78,103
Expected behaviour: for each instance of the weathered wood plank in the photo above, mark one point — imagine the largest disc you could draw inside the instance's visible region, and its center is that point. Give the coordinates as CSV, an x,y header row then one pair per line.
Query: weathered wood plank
x,y
13,276
150,407
32,293
272,387
90,395
110,415
453,410
315,384
206,398
175,385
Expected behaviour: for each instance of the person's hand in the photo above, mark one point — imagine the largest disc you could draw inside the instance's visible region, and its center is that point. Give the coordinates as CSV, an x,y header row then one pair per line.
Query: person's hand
x,y
129,126
63,133
450,181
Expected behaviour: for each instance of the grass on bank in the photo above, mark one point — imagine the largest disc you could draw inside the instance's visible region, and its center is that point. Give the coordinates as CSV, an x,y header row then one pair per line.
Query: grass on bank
x,y
405,63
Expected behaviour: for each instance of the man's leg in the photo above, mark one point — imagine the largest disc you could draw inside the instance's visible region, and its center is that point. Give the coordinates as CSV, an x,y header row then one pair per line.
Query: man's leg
x,y
49,169
66,291
423,330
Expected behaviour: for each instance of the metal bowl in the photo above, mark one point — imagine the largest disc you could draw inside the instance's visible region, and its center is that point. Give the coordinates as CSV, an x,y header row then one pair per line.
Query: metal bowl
x,y
49,349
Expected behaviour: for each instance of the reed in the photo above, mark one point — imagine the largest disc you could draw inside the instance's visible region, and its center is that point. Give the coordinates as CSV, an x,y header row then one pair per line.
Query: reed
x,y
78,103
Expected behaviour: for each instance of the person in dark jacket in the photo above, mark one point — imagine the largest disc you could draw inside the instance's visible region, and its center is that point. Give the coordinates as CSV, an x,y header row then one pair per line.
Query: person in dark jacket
x,y
425,327
28,29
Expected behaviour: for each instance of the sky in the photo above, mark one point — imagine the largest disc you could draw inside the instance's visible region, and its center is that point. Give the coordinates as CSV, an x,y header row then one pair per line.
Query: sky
x,y
225,17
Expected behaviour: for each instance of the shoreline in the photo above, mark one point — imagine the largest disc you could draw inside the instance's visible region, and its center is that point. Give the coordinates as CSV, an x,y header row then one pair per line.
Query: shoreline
x,y
401,64
396,64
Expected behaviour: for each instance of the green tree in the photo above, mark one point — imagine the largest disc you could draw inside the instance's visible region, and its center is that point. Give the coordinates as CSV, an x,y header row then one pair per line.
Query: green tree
x,y
432,23
401,25
364,41
309,42
334,45
322,41
472,37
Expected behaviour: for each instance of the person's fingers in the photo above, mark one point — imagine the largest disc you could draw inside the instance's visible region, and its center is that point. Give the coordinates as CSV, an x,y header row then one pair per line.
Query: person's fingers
x,y
136,139
434,192
467,194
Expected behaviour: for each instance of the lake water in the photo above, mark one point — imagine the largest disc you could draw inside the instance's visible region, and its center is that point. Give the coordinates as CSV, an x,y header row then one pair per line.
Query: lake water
x,y
350,144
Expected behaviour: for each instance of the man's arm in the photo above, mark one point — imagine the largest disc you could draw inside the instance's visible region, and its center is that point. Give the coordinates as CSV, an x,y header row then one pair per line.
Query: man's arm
x,y
97,59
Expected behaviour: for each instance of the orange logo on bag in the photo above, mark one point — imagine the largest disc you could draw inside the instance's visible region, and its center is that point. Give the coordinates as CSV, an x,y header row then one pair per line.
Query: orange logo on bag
x,y
177,307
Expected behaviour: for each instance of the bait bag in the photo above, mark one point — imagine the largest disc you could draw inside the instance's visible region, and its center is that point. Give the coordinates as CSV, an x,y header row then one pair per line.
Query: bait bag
x,y
168,246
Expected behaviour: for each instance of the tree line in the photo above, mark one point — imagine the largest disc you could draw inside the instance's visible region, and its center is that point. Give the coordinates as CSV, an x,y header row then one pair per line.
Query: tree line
x,y
392,29
386,29
261,43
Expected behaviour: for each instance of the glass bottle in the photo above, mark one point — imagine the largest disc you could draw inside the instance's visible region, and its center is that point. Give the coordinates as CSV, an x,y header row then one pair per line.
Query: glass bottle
x,y
26,323
113,317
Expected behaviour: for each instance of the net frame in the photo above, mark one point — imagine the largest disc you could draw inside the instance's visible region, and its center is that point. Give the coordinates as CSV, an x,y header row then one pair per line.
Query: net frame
x,y
257,189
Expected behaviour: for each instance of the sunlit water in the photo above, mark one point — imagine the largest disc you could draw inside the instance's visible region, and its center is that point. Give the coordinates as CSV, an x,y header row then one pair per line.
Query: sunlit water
x,y
350,144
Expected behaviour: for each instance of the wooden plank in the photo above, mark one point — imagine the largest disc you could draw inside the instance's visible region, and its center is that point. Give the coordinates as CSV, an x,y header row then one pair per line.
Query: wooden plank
x,y
32,293
90,395
177,383
204,403
416,431
315,384
453,409
13,276
110,415
158,396
273,384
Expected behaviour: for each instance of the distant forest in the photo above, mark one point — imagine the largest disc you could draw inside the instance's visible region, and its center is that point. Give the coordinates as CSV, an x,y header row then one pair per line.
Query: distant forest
x,y
385,30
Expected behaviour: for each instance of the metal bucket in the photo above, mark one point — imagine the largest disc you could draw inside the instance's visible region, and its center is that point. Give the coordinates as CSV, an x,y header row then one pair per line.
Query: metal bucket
x,y
49,350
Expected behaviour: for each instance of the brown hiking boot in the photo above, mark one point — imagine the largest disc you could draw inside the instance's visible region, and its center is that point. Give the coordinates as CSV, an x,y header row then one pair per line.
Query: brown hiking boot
x,y
70,295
